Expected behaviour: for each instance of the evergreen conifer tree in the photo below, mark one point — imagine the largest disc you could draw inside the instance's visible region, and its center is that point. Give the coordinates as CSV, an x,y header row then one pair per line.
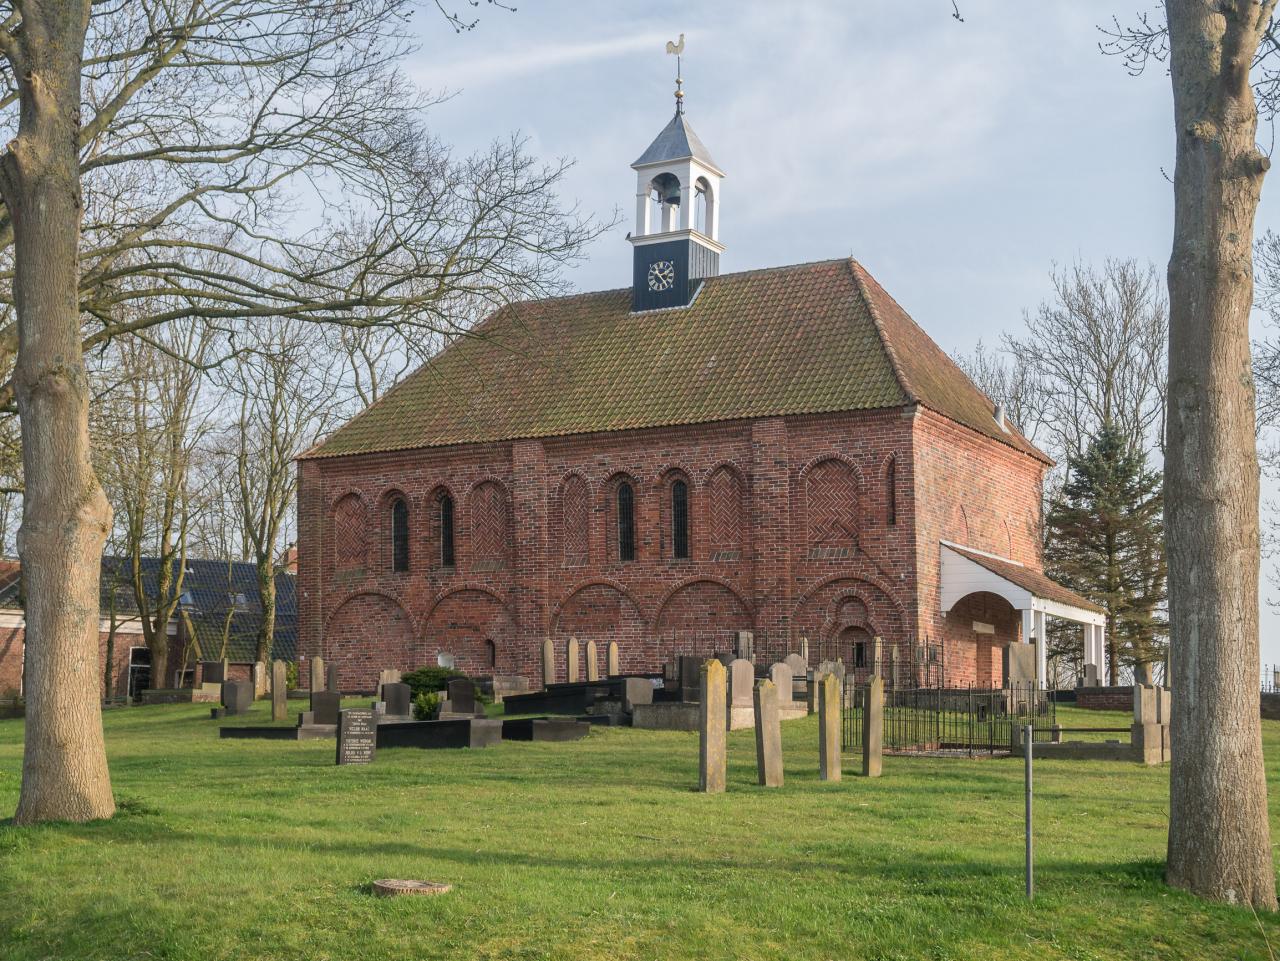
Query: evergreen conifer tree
x,y
1105,540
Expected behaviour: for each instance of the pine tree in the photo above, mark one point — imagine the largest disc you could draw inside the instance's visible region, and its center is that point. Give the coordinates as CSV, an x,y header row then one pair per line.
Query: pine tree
x,y
1106,541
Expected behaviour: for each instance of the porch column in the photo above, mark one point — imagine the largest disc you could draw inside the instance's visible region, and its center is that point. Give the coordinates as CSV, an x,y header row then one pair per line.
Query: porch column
x,y
1041,646
1028,625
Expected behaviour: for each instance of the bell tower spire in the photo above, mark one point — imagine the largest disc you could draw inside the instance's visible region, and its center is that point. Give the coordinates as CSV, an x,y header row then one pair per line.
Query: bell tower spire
x,y
677,232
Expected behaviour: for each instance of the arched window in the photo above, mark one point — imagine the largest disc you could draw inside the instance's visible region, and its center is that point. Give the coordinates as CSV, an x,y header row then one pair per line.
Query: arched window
x,y
891,492
626,522
680,519
399,535
446,531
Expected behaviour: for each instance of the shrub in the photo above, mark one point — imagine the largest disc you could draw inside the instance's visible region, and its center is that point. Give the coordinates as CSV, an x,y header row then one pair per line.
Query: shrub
x,y
428,680
426,705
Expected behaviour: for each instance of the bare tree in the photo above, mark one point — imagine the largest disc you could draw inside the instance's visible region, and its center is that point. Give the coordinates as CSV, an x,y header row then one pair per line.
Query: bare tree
x,y
1094,356
155,423
1219,834
158,153
1010,382
286,394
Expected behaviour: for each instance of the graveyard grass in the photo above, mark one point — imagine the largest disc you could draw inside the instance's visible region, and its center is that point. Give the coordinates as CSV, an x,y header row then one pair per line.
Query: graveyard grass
x,y
597,849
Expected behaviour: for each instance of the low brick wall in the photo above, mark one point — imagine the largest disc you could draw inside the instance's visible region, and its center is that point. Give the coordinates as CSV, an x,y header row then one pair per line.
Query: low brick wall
x,y
1112,698
1271,706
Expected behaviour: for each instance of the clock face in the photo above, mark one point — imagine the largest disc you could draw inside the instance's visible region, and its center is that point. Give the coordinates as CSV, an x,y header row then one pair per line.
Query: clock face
x,y
662,275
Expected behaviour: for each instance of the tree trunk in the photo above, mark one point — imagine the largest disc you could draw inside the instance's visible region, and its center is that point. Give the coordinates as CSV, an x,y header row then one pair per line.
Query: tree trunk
x,y
267,591
1219,837
66,515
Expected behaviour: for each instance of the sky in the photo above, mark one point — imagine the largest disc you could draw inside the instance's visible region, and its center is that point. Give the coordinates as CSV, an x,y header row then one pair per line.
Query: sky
x,y
958,161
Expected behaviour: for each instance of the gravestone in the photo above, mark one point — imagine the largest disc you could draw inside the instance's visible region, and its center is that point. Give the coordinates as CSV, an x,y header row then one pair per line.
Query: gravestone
x,y
325,706
593,661
744,645
397,698
877,664
712,759
260,680
872,727
572,661
829,728
782,679
1143,673
357,736
799,676
1144,704
462,696
317,674
387,676
548,662
613,663
636,690
690,677
237,696
741,679
1091,678
279,690
1019,664
331,679
768,735
213,672
804,651
815,683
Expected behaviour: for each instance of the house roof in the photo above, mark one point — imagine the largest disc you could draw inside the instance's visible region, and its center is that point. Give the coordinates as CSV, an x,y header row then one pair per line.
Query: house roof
x,y
676,141
1028,579
811,338
216,595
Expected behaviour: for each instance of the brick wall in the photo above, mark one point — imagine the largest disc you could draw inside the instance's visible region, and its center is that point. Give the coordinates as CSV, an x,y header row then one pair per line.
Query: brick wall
x,y
12,645
981,494
793,532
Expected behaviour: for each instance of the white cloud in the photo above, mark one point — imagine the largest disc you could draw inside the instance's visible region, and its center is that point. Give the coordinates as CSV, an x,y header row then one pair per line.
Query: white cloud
x,y
531,57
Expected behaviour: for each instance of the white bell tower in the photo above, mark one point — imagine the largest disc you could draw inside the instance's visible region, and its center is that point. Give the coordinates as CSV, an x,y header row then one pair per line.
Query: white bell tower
x,y
677,232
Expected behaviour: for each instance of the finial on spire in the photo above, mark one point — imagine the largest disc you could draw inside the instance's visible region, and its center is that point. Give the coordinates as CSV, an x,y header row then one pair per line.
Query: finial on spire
x,y
677,47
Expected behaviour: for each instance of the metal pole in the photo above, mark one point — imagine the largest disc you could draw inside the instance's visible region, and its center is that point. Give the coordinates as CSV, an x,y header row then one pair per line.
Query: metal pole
x,y
1027,753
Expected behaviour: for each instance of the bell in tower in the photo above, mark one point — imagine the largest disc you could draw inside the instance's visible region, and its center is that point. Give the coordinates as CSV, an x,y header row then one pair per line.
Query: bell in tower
x,y
676,240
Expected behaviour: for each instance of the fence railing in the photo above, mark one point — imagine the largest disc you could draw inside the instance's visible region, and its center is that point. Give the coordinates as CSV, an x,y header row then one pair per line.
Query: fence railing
x,y
950,720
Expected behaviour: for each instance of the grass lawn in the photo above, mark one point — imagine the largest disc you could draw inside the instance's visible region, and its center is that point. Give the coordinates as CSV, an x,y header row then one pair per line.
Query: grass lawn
x,y
597,849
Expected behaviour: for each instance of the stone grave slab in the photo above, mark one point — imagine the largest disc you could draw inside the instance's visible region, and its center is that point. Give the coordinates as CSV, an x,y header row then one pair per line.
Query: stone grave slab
x,y
357,736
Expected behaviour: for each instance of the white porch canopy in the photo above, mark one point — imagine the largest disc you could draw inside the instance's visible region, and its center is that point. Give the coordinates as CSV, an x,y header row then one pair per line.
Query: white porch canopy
x,y
968,571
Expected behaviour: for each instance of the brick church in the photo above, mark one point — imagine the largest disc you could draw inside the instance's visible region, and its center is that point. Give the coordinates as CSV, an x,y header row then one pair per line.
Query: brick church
x,y
782,451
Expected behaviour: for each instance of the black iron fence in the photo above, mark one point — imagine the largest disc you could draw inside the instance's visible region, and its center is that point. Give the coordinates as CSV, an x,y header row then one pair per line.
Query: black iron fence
x,y
951,720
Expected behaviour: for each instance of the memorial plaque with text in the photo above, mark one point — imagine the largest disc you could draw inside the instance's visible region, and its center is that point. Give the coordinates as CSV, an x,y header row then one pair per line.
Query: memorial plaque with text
x,y
357,736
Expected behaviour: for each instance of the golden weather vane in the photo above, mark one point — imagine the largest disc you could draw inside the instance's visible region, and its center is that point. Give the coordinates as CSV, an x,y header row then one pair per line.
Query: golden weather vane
x,y
677,47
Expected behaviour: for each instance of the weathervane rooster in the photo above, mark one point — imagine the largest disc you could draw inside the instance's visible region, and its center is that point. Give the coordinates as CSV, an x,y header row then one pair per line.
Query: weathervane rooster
x,y
677,47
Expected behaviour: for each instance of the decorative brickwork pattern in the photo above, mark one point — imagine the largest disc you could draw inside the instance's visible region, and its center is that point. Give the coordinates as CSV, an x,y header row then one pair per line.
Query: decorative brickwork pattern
x,y
725,514
490,527
575,521
351,533
831,505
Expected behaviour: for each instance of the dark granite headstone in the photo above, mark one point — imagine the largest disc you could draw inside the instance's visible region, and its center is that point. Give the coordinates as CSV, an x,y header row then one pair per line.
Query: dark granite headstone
x,y
357,736
237,696
462,696
397,698
463,732
325,706
690,676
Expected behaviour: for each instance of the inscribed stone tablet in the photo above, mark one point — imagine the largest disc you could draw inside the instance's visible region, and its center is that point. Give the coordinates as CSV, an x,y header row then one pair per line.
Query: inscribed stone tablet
x,y
357,736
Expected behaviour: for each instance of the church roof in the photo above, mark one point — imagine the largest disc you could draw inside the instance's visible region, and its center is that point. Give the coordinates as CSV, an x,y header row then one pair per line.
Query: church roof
x,y
677,141
805,339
